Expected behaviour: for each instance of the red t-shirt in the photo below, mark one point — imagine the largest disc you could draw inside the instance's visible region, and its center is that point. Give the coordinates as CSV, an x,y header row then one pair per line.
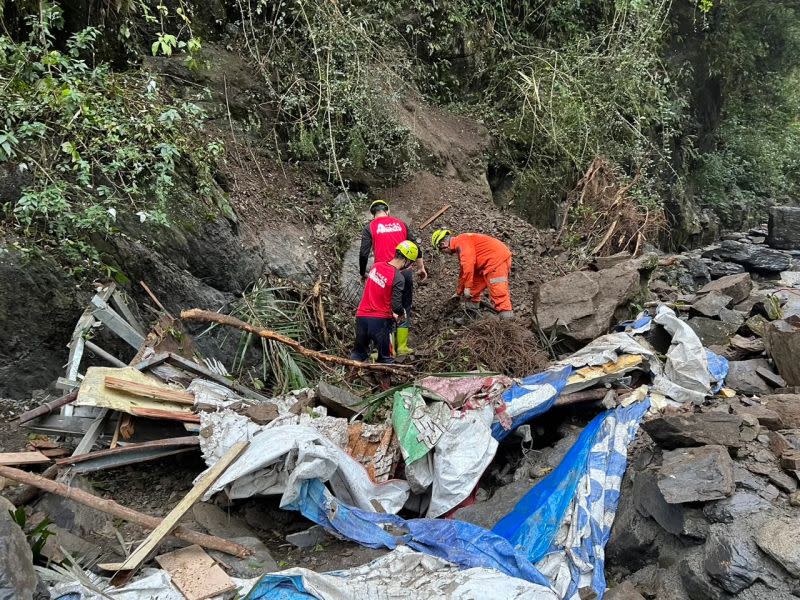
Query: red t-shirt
x,y
386,232
377,298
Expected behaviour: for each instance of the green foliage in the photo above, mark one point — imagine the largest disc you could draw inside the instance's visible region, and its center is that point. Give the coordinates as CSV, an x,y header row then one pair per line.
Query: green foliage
x,y
37,536
97,147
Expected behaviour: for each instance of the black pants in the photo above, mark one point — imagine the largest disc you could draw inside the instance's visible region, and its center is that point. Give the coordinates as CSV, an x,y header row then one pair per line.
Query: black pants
x,y
408,296
373,330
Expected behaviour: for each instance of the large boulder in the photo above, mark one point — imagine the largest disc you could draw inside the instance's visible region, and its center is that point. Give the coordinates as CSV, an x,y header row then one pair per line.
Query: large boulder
x,y
17,577
723,269
696,475
738,286
787,406
781,540
713,332
784,227
751,256
583,305
743,377
676,431
712,304
782,340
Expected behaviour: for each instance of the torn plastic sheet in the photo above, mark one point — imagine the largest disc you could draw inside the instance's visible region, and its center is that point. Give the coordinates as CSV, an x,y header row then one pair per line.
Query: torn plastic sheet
x,y
718,369
564,522
417,424
532,396
279,459
152,584
641,324
686,377
463,544
402,573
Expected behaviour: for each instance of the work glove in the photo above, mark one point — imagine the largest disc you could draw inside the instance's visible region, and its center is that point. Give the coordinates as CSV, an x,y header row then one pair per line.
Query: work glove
x,y
467,294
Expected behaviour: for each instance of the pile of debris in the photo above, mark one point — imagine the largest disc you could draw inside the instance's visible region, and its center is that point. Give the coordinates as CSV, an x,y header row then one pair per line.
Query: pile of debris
x,y
452,478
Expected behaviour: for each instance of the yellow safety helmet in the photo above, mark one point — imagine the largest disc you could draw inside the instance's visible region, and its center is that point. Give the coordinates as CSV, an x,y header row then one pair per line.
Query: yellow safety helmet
x,y
408,249
438,236
378,205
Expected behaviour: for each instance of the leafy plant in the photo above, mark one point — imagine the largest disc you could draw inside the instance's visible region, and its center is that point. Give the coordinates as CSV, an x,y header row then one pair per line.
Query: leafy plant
x,y
37,536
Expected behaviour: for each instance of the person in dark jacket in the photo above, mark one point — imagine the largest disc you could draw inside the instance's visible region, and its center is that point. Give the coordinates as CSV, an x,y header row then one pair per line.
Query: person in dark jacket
x,y
381,237
382,303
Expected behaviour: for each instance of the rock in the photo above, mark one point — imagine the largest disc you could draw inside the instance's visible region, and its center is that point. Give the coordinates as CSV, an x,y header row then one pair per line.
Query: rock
x,y
780,539
697,268
262,414
72,516
606,262
711,304
747,345
778,444
751,256
633,541
583,305
746,480
743,378
790,460
308,538
488,513
787,406
740,505
782,340
340,402
731,563
756,325
17,576
784,227
771,377
696,584
675,431
738,287
219,522
732,317
673,518
782,481
623,591
723,269
712,331
757,239
696,474
794,499
254,565
766,417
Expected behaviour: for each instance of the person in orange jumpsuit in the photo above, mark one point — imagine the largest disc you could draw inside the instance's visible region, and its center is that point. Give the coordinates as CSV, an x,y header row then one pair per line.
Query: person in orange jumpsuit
x,y
485,263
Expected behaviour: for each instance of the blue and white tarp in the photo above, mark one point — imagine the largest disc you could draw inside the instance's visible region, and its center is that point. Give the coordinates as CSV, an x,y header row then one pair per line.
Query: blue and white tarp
x,y
553,538
531,397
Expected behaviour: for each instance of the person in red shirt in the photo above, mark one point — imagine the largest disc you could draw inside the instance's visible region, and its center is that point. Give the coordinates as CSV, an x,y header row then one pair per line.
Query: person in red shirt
x,y
485,263
381,237
382,303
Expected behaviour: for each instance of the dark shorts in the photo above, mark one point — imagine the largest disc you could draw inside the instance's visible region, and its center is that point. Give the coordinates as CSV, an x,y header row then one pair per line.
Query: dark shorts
x,y
373,330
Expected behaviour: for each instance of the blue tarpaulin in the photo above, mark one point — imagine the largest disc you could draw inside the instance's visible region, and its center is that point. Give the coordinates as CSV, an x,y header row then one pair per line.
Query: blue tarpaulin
x,y
533,396
718,368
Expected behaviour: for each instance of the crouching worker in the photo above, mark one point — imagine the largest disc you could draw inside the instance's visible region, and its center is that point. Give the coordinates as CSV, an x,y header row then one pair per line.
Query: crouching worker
x,y
485,263
382,304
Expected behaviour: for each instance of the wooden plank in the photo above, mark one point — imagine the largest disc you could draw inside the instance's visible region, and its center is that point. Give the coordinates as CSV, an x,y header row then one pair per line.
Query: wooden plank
x,y
156,392
436,215
23,458
109,317
195,573
152,541
171,415
94,431
118,300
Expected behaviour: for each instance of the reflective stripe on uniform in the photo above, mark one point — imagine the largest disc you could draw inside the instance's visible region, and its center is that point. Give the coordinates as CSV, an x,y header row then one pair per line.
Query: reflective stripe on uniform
x,y
498,280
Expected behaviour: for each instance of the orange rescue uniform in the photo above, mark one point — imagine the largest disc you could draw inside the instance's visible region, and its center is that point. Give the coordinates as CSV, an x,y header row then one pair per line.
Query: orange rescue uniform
x,y
485,262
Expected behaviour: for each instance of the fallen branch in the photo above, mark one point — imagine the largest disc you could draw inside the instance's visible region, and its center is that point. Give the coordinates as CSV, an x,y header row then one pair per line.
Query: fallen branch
x,y
436,215
122,512
206,316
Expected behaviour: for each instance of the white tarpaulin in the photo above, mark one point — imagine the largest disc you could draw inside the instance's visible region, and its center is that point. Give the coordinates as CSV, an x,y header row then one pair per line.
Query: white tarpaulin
x,y
278,459
403,573
686,377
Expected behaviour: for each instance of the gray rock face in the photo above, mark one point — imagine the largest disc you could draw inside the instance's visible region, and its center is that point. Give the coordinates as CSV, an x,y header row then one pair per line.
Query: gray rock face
x,y
339,401
696,583
711,304
489,512
784,227
634,537
677,431
753,257
255,565
713,332
72,516
737,287
697,268
696,475
781,540
673,518
743,378
723,269
623,591
17,577
583,305
740,505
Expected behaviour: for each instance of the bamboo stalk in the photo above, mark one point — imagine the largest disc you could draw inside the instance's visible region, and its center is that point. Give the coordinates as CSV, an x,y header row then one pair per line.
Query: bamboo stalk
x,y
122,512
196,314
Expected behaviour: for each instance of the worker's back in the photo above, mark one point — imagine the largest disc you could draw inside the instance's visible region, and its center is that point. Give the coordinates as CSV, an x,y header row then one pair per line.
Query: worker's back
x,y
489,251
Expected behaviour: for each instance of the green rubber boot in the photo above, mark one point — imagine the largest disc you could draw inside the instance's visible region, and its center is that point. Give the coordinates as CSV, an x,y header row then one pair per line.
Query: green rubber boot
x,y
402,341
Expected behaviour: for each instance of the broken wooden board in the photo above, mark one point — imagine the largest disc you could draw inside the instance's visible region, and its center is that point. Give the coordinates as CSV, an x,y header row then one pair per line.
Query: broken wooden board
x,y
93,392
23,458
144,390
195,573
608,372
172,415
125,569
